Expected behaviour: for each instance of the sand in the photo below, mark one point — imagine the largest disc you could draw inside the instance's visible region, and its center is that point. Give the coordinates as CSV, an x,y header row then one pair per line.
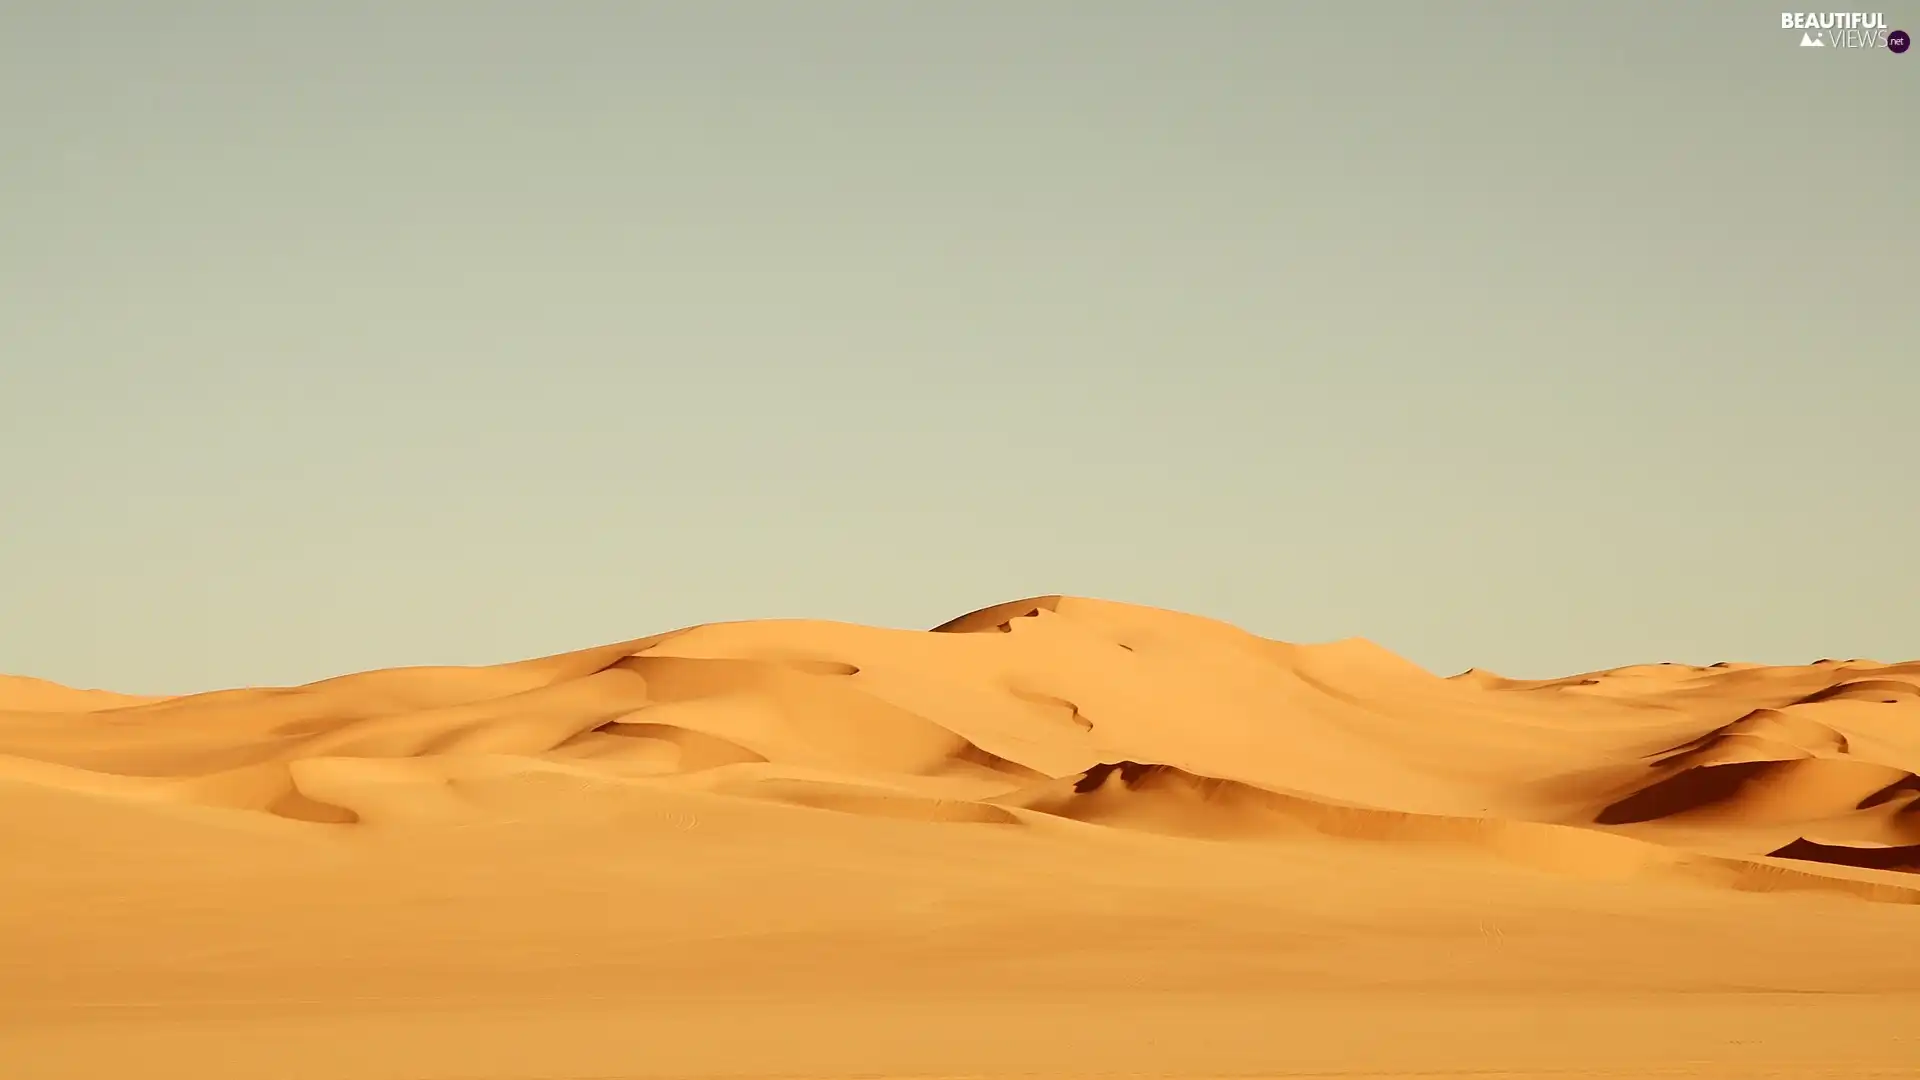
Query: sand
x,y
1057,837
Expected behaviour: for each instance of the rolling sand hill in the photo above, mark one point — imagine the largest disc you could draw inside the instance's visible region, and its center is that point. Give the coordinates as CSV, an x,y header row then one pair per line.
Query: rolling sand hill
x,y
1056,837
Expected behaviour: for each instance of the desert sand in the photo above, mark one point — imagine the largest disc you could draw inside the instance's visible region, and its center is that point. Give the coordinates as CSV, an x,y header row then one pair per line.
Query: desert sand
x,y
1054,838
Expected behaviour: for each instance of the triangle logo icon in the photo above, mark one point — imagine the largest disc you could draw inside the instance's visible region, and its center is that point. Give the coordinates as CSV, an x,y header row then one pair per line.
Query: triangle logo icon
x,y
1808,41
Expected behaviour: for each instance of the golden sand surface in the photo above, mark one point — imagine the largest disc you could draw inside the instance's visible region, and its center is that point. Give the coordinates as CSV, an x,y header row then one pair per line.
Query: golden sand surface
x,y
1054,838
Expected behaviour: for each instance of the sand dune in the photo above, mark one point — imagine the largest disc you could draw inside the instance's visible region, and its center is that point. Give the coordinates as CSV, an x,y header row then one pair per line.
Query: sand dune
x,y
959,801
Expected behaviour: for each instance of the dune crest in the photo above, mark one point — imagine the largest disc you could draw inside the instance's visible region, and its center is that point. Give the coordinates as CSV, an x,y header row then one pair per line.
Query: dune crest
x,y
20,693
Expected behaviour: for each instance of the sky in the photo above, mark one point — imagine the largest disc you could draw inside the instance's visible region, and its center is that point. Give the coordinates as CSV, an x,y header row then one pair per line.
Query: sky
x,y
1535,337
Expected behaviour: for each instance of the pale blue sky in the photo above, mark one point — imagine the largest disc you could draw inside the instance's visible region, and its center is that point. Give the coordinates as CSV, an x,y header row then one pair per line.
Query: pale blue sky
x,y
1538,337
